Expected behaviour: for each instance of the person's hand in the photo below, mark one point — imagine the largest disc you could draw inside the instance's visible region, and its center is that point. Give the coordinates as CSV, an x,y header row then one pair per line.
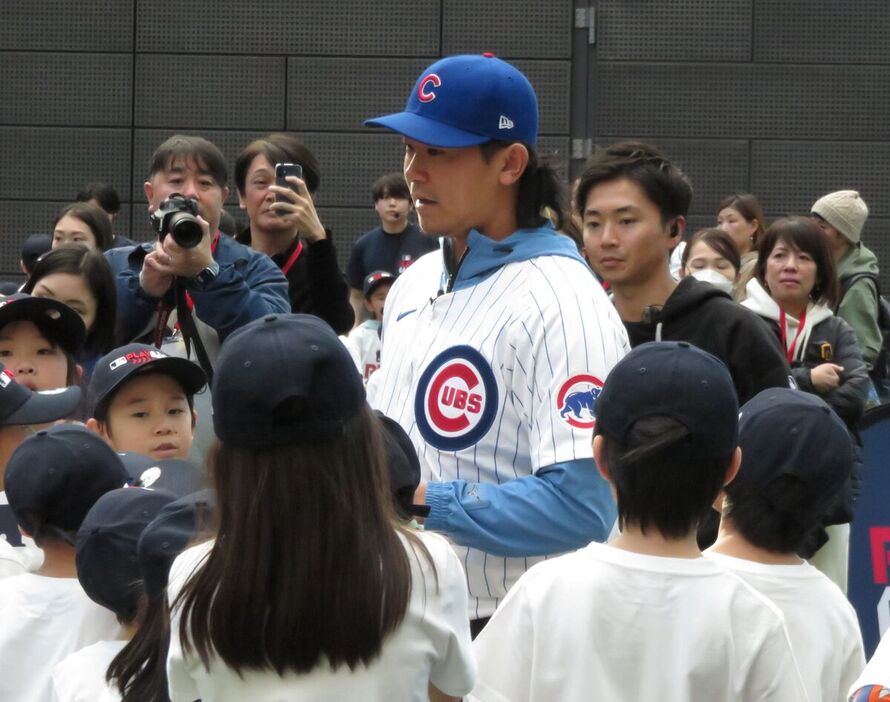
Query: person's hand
x,y
826,377
299,210
169,259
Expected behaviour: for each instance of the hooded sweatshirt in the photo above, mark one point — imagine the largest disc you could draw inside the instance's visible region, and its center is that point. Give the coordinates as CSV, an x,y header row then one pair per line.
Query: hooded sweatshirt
x,y
823,339
701,314
859,306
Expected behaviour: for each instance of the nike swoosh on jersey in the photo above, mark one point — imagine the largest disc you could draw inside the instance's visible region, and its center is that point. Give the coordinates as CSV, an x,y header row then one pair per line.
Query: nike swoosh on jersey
x,y
405,314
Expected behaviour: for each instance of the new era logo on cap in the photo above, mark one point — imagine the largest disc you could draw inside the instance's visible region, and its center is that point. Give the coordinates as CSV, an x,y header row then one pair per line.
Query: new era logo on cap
x,y
505,123
5,378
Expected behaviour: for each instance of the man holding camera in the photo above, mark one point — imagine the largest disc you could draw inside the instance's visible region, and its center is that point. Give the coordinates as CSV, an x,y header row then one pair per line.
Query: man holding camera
x,y
213,284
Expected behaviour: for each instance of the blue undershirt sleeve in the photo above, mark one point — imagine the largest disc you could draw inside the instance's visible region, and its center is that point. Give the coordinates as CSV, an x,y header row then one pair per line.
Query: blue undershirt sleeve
x,y
562,507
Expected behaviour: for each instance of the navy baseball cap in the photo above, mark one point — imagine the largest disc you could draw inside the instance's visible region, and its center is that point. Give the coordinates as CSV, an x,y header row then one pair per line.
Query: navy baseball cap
x,y
55,476
20,405
467,100
55,320
176,525
34,247
171,474
116,367
107,566
789,432
672,379
373,280
404,468
284,379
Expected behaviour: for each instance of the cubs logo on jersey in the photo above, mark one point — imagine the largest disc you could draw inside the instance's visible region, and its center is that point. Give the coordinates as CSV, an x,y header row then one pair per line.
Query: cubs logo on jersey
x,y
576,401
456,399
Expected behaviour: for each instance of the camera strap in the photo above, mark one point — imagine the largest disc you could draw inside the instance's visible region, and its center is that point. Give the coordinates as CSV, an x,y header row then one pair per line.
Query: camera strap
x,y
179,298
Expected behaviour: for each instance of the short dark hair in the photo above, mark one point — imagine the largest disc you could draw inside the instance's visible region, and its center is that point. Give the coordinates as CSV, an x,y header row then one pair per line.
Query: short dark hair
x,y
769,516
278,147
719,241
390,185
207,157
102,193
803,234
660,481
94,217
541,196
92,266
661,179
747,206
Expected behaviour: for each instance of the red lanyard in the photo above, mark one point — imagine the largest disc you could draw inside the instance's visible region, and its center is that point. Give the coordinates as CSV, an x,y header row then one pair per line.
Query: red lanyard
x,y
164,310
292,259
789,350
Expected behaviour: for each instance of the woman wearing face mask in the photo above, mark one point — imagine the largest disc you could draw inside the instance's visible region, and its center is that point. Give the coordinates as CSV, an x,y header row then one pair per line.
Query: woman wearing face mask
x,y
741,216
795,289
712,256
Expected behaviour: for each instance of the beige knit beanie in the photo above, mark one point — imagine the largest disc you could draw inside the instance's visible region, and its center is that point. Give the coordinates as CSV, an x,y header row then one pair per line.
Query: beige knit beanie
x,y
844,210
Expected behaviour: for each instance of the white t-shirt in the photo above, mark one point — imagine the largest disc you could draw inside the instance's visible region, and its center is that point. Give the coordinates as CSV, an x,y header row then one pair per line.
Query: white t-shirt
x,y
821,622
432,645
43,620
606,624
15,560
876,673
81,676
363,344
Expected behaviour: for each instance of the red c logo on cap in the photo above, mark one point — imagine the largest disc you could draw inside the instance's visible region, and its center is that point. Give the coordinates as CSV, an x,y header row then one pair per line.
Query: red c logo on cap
x,y
422,93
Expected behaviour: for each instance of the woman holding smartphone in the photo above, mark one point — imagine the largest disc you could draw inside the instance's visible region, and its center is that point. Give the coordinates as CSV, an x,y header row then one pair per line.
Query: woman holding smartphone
x,y
284,224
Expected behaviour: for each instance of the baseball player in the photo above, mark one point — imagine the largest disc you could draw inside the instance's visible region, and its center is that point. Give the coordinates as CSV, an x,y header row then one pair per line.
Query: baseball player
x,y
495,349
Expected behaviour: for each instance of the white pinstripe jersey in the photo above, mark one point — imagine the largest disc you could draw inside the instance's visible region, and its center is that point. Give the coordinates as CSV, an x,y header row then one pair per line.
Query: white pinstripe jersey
x,y
496,380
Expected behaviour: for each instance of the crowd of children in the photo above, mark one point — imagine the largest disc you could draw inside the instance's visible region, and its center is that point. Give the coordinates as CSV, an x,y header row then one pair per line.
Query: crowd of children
x,y
296,558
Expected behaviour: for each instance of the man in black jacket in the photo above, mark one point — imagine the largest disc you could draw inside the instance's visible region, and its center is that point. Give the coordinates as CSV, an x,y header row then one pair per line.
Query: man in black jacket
x,y
633,202
287,228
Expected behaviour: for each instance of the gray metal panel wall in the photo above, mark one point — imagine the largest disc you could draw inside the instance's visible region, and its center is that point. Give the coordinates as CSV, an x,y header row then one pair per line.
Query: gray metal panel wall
x,y
90,89
783,99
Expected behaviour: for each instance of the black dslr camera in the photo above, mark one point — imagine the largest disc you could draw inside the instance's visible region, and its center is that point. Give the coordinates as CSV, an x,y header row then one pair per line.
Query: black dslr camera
x,y
177,216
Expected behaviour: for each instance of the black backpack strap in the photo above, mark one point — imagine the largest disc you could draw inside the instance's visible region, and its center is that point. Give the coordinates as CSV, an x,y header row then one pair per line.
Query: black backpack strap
x,y
849,281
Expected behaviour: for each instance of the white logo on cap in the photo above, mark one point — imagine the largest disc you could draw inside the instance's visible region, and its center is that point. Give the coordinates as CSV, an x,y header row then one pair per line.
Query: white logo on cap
x,y
5,378
505,123
118,362
149,476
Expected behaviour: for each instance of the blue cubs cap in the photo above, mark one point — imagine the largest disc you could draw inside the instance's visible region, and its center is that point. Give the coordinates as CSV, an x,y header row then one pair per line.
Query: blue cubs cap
x,y
55,476
107,566
119,365
176,526
467,100
789,432
284,379
20,405
672,379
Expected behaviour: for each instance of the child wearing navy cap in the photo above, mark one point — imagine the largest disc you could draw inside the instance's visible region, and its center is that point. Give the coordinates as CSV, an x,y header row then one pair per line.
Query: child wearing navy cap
x,y
108,571
21,409
52,481
363,342
312,588
143,401
646,616
796,457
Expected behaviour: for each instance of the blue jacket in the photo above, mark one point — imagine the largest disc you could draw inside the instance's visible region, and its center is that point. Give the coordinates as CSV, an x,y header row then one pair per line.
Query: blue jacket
x,y
249,285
